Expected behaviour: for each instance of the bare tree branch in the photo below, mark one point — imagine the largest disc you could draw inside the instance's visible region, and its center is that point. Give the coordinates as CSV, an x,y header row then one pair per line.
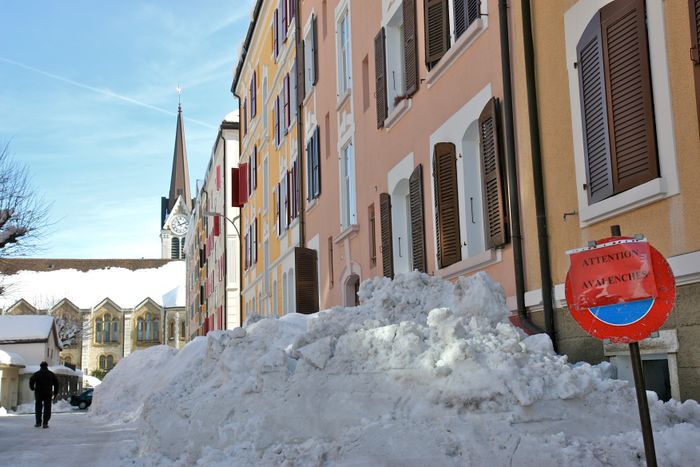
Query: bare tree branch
x,y
23,215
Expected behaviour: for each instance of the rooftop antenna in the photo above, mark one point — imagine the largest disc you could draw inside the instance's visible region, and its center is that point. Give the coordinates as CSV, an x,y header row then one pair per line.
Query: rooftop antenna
x,y
179,92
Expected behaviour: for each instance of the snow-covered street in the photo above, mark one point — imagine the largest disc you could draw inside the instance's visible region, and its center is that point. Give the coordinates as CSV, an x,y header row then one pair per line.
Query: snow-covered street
x,y
72,439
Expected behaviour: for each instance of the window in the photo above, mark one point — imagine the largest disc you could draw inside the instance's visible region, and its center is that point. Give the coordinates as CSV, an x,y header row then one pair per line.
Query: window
x,y
616,101
275,34
115,329
171,330
313,164
445,22
396,60
103,362
330,262
98,330
253,96
182,329
110,362
343,52
286,103
347,187
372,237
175,248
278,136
148,328
311,56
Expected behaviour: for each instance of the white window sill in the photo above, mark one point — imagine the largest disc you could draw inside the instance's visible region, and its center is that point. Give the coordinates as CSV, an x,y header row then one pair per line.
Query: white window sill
x,y
641,195
397,112
342,98
349,231
456,50
310,204
472,264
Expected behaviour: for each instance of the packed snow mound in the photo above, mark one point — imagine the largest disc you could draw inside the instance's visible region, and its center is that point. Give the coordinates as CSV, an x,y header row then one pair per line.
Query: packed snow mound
x,y
423,372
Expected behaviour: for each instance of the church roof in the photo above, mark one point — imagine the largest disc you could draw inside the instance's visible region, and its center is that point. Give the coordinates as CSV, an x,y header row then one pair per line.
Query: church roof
x,y
180,178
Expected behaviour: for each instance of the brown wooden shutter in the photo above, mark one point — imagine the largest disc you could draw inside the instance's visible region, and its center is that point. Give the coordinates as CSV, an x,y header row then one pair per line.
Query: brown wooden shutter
x,y
465,13
695,46
415,183
386,235
380,76
449,244
306,278
630,106
437,30
301,69
410,47
492,176
594,112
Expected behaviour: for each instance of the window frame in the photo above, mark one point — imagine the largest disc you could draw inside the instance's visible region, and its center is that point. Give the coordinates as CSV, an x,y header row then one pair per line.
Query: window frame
x,y
348,194
343,50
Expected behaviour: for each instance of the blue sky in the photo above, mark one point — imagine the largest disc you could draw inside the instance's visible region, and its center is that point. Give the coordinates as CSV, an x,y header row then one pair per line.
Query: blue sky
x,y
88,102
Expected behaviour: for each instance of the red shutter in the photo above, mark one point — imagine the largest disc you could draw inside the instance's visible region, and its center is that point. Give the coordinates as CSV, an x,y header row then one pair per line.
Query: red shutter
x,y
243,184
217,221
235,188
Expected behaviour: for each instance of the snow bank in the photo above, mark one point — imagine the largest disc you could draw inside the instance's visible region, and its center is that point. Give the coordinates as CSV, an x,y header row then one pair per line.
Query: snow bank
x,y
423,372
60,406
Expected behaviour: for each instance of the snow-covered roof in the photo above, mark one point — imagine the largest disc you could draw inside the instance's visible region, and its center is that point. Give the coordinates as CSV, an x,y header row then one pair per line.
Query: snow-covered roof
x,y
232,116
126,288
175,298
25,327
11,358
56,369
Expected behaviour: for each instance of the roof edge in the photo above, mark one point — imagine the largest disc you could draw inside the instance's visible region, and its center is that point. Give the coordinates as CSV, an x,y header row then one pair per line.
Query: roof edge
x,y
246,43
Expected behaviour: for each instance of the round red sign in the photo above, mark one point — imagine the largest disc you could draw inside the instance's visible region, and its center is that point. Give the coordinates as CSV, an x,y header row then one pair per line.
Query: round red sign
x,y
622,319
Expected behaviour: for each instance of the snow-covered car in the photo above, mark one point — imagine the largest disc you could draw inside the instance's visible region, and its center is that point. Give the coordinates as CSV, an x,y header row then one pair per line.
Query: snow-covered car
x,y
83,400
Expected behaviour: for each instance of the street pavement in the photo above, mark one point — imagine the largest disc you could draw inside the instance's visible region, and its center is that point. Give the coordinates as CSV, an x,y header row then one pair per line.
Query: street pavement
x,y
73,439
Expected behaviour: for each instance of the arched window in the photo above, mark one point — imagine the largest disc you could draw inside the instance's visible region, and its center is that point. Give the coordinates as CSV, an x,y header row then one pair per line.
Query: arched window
x,y
67,359
106,330
110,362
115,329
103,362
139,329
171,329
98,330
149,327
175,248
156,329
182,330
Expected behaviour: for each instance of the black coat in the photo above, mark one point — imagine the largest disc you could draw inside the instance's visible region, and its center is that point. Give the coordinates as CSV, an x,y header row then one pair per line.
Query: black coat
x,y
42,382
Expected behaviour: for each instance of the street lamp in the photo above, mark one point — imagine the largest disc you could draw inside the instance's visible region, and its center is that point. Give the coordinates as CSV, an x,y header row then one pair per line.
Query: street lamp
x,y
232,221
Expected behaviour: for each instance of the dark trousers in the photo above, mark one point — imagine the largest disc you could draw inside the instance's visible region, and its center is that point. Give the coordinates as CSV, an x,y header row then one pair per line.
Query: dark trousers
x,y
46,402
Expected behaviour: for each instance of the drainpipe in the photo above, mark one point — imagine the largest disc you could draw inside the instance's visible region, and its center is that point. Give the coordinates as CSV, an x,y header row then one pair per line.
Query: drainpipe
x,y
300,130
537,173
512,172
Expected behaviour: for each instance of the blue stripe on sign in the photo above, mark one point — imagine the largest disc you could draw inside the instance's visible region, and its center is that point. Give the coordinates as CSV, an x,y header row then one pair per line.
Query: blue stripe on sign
x,y
623,314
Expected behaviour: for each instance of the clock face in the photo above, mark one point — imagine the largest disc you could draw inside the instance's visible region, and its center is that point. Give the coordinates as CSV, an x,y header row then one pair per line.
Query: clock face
x,y
179,224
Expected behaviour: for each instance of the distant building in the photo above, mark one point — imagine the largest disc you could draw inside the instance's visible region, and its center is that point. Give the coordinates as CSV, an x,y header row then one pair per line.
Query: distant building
x,y
104,309
176,208
212,243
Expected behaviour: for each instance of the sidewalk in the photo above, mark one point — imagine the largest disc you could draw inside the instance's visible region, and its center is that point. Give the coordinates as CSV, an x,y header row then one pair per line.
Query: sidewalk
x,y
72,439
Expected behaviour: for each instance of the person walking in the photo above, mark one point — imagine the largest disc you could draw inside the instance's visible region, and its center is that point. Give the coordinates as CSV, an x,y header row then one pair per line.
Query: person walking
x,y
42,383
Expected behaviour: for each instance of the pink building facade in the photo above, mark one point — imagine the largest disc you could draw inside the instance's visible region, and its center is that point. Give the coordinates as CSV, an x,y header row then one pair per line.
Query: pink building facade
x,y
404,164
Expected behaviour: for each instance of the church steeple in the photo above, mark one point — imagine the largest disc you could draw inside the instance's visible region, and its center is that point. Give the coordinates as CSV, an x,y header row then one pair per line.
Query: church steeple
x,y
179,179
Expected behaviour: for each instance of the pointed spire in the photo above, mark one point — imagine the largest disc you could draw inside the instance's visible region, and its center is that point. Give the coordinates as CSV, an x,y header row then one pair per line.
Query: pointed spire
x,y
180,178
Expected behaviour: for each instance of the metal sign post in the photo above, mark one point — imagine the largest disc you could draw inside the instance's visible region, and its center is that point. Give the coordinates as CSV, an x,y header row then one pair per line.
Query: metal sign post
x,y
640,389
622,289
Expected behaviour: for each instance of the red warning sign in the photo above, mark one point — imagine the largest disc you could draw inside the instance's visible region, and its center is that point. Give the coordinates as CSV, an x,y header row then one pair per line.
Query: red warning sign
x,y
618,272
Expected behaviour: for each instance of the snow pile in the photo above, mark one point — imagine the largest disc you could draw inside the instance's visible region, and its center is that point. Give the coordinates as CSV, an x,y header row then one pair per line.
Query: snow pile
x,y
3,411
424,372
126,288
91,381
60,406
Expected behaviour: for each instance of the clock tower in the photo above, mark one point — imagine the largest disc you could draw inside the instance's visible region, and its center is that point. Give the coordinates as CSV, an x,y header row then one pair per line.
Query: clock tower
x,y
176,208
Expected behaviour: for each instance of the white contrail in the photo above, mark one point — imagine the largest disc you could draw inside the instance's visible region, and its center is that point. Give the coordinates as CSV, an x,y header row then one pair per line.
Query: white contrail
x,y
104,92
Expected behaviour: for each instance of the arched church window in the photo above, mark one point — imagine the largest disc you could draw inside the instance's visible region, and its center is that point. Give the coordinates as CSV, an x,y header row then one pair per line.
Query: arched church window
x,y
149,327
67,360
139,329
98,330
171,329
156,329
182,330
103,362
109,362
106,329
115,329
